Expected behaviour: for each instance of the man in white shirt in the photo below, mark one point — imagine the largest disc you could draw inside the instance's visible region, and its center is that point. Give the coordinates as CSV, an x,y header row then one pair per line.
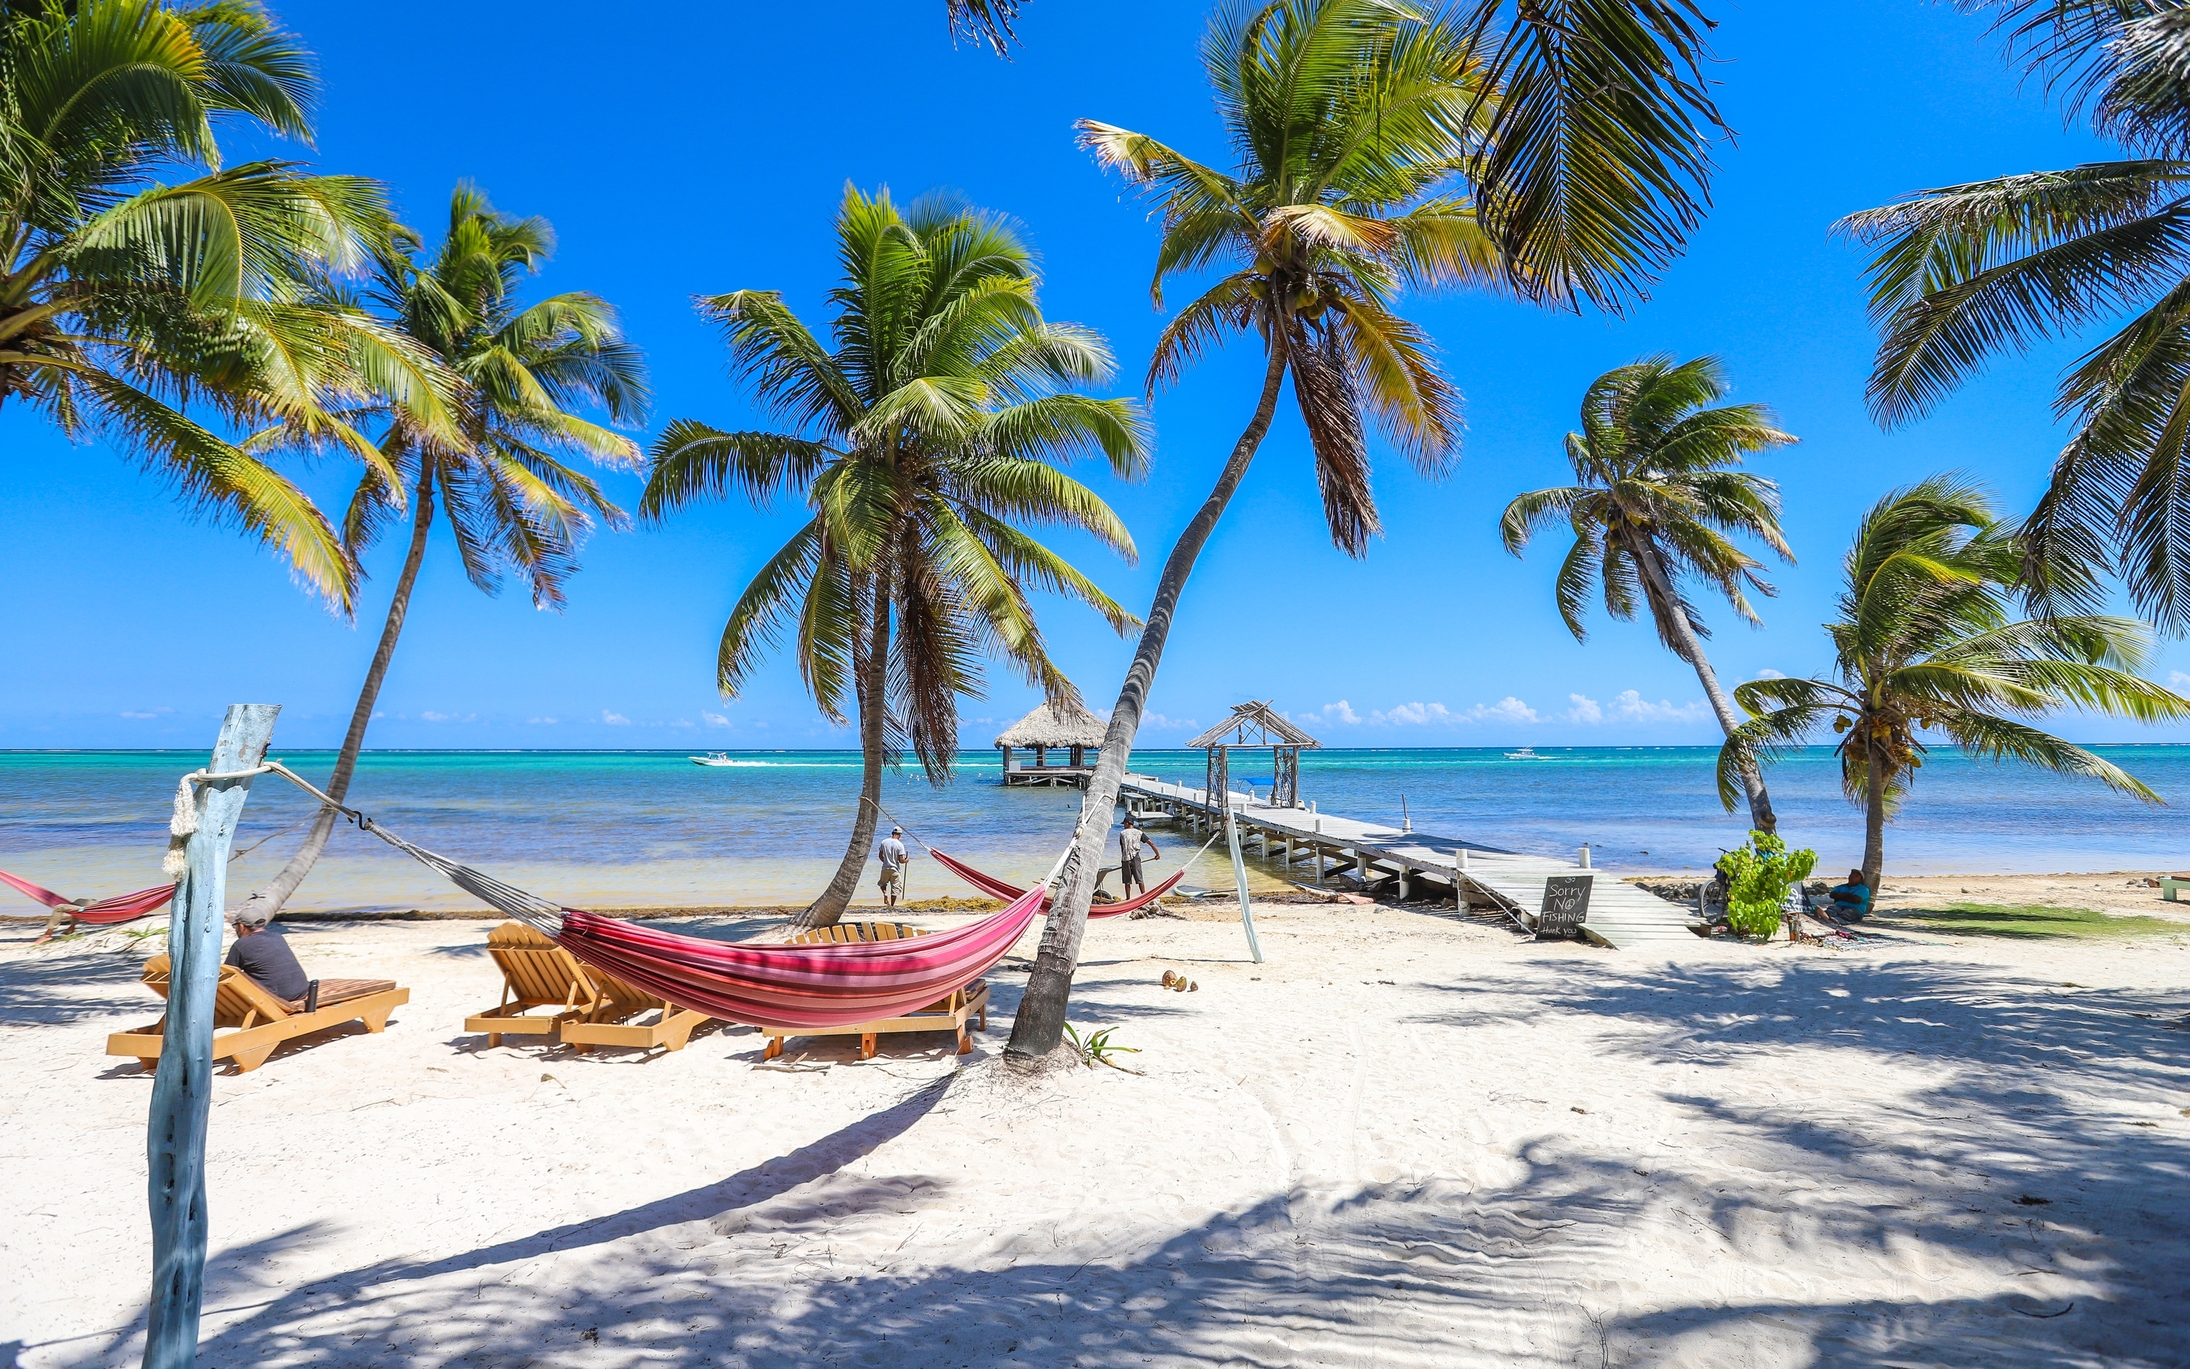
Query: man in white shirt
x,y
1131,842
893,855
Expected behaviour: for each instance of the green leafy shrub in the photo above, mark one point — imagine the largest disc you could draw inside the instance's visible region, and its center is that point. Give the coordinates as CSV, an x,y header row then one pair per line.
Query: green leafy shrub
x,y
1757,879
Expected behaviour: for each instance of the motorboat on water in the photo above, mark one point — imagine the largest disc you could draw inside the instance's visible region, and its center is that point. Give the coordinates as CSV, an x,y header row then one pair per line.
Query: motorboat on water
x,y
712,758
1526,753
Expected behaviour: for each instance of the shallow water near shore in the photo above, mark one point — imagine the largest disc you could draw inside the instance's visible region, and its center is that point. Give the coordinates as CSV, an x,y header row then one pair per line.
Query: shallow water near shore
x,y
644,828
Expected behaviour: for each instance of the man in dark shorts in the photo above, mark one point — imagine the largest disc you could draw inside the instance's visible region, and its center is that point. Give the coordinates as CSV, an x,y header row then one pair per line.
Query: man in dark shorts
x,y
262,952
1131,842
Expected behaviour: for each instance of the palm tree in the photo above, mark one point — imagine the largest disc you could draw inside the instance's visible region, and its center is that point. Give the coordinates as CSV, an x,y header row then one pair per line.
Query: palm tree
x,y
122,296
1925,641
984,21
511,501
916,442
1966,272
1655,496
1380,150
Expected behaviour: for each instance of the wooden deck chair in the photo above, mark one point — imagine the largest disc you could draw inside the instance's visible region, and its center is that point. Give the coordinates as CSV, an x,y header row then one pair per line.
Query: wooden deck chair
x,y
588,1007
257,1021
952,1013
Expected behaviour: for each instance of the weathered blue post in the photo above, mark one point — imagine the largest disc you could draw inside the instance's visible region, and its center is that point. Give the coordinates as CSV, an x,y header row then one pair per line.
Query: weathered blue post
x,y
182,1091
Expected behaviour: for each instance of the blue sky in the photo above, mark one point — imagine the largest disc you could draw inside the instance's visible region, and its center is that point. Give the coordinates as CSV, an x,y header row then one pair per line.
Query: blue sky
x,y
705,150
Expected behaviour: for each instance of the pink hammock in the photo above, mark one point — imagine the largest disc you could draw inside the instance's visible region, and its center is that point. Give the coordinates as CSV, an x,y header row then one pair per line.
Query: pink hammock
x,y
996,888
127,908
810,987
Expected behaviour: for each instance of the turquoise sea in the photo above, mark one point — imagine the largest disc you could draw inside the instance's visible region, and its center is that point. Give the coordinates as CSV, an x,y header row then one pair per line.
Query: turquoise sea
x,y
639,828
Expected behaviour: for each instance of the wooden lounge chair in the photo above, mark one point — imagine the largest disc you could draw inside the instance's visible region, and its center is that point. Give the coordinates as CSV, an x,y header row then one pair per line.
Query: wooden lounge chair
x,y
945,1014
589,1008
258,1021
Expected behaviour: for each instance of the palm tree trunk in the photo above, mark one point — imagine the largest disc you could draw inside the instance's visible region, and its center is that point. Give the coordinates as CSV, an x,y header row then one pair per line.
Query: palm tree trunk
x,y
1039,1024
1689,648
277,892
873,712
1874,817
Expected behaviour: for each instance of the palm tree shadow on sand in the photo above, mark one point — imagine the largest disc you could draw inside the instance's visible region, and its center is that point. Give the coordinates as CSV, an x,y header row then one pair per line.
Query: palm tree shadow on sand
x,y
799,1261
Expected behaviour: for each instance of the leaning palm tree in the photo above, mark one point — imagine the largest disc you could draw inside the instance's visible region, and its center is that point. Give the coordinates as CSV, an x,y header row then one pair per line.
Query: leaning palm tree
x,y
1381,149
510,498
1925,641
916,442
1967,272
121,296
1656,494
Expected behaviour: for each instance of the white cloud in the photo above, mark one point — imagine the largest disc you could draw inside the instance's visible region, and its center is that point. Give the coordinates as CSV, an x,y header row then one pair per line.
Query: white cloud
x,y
1631,705
2176,681
682,722
614,719
378,716
430,716
537,721
1769,674
1508,709
1340,712
1157,722
1413,714
1585,709
714,720
148,713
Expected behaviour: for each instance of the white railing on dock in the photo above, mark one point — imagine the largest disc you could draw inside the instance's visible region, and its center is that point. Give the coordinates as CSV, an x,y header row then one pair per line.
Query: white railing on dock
x,y
1620,915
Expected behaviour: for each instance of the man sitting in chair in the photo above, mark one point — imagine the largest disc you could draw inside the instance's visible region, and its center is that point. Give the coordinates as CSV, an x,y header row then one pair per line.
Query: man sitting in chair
x,y
263,953
1131,842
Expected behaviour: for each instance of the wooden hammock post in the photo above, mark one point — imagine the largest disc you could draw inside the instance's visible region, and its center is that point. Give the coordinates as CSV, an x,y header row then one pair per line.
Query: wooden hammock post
x,y
182,1091
1239,880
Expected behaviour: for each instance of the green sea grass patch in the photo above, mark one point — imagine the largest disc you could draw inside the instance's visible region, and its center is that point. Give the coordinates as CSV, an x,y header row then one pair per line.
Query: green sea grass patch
x,y
2028,922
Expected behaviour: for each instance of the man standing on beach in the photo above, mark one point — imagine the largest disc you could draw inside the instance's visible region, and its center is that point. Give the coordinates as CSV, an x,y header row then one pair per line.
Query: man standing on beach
x,y
893,855
1131,842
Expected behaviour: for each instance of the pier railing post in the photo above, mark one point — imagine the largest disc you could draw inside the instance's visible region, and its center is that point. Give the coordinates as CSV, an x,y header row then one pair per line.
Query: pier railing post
x,y
182,1089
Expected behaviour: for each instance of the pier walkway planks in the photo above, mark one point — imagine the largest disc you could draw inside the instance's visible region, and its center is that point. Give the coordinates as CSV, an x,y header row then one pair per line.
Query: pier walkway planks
x,y
1620,915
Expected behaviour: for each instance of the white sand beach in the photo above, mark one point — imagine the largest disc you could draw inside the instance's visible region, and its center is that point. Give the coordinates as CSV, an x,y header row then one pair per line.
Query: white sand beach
x,y
1406,1139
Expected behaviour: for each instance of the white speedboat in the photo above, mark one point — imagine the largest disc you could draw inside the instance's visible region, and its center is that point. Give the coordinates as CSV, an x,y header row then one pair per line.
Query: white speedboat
x,y
1526,753
712,758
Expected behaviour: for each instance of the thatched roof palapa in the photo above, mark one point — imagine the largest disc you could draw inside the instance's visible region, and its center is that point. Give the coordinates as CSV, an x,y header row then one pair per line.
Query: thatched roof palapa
x,y
1253,724
1050,725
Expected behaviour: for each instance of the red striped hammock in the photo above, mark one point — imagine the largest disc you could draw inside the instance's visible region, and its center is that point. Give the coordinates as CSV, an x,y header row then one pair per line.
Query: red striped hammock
x,y
831,984
126,908
997,888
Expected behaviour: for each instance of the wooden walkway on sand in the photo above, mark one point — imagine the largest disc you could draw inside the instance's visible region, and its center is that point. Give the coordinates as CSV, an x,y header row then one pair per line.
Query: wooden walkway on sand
x,y
1620,915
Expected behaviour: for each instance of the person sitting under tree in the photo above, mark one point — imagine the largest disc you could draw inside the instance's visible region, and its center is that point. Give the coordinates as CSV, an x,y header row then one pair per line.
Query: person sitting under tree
x,y
893,855
1851,901
262,952
1131,842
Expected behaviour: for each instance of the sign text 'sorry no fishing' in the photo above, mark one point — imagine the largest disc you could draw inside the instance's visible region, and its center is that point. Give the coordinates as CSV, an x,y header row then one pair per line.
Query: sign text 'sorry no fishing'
x,y
1566,906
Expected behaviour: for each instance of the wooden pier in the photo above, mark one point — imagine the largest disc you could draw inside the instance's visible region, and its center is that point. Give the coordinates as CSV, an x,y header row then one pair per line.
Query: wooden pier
x,y
1620,915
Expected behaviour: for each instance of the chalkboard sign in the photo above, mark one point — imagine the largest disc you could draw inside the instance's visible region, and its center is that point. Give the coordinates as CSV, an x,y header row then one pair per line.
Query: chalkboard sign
x,y
1566,906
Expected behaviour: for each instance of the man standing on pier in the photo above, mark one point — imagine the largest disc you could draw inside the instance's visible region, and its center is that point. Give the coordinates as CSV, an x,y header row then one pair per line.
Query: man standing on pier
x,y
1131,842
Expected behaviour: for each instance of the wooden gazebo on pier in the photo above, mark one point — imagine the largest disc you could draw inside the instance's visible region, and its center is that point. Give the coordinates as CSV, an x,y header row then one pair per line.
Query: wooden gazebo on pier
x,y
1253,726
1070,729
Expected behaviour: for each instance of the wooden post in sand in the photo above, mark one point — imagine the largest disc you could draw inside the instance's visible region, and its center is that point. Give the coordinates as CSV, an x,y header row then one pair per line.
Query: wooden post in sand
x,y
1239,881
182,1091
